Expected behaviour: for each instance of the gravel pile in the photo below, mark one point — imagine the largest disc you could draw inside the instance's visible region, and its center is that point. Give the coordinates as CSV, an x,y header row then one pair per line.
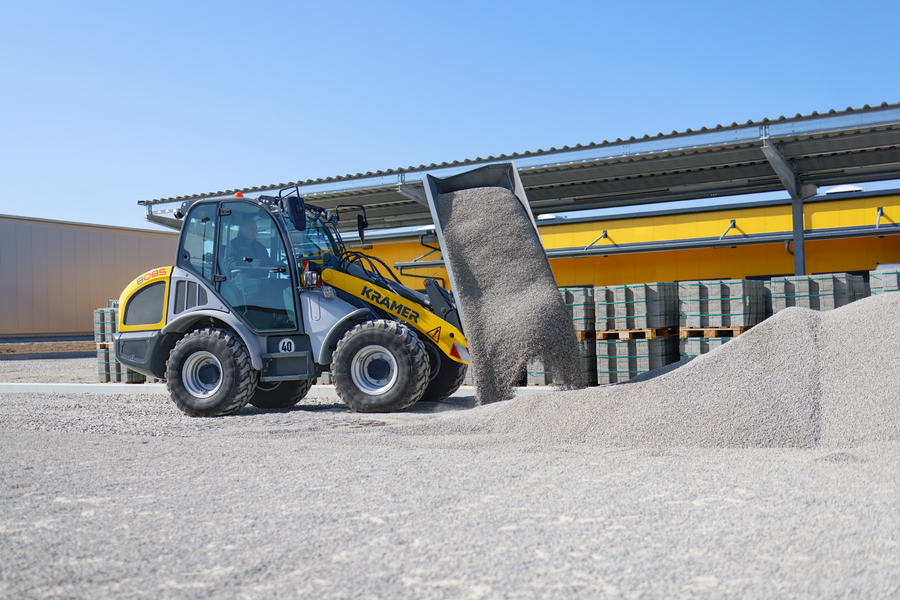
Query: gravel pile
x,y
511,306
800,379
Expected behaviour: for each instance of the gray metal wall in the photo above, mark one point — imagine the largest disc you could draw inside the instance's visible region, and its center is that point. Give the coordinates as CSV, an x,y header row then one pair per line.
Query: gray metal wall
x,y
54,274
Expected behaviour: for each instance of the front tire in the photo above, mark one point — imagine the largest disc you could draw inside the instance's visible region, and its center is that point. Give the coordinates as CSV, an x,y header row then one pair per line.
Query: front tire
x,y
446,374
380,366
280,394
208,373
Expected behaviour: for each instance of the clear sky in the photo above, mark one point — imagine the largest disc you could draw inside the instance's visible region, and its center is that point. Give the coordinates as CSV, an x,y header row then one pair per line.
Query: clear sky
x,y
108,103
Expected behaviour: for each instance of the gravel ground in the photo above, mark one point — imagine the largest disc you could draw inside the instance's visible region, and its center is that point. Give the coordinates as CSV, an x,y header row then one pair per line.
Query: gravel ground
x,y
48,370
560,496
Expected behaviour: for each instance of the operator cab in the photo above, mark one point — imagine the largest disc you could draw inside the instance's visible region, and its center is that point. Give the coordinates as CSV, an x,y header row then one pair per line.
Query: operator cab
x,y
238,248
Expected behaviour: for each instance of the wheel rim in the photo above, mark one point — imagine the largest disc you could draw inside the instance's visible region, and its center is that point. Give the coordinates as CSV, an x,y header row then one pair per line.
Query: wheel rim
x,y
202,374
268,386
374,370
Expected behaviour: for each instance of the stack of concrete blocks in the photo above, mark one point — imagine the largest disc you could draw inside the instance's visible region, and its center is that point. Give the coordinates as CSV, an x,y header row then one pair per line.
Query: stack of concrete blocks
x,y
693,347
325,378
816,292
721,303
620,360
884,281
539,373
109,370
580,302
637,306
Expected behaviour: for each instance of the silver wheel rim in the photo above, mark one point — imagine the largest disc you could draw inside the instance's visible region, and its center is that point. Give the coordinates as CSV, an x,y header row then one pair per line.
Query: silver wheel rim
x,y
202,374
374,370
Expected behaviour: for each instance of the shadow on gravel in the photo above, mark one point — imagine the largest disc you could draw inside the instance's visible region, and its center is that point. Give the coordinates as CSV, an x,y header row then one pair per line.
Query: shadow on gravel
x,y
450,404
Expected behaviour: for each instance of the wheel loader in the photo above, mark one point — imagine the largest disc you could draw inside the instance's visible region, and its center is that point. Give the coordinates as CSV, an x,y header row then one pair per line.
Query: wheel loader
x,y
264,297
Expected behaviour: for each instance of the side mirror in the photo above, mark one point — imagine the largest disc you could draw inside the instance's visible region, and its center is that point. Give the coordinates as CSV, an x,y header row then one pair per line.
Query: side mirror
x,y
361,224
296,211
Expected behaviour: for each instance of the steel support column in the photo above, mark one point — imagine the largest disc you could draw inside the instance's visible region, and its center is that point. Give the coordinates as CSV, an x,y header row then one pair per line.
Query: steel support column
x,y
798,192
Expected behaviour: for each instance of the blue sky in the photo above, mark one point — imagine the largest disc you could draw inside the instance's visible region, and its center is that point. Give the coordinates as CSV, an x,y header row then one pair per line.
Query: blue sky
x,y
108,103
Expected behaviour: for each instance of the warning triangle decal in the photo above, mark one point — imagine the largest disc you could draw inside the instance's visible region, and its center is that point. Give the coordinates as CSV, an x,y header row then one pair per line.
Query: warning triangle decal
x,y
435,334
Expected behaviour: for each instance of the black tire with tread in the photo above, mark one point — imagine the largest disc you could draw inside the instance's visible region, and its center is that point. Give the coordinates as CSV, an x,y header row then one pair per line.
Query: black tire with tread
x,y
281,394
239,378
446,374
406,348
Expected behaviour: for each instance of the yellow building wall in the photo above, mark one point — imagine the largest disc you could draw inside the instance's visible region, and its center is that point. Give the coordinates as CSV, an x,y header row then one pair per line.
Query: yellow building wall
x,y
766,260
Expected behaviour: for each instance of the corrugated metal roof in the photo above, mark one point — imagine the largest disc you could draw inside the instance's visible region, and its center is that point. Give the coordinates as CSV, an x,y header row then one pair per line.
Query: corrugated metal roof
x,y
823,149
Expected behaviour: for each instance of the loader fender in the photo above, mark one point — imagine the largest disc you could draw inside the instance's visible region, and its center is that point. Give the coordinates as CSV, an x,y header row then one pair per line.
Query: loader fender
x,y
445,336
254,343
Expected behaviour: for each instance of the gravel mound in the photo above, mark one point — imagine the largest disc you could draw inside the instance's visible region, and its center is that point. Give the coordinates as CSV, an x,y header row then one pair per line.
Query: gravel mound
x,y
511,306
800,379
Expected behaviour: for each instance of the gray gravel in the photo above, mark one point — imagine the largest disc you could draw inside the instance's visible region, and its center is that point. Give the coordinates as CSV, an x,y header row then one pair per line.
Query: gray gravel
x,y
799,379
68,370
511,307
123,496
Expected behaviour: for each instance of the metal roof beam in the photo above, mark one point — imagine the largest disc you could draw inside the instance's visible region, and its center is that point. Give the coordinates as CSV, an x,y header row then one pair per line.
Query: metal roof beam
x,y
786,172
413,193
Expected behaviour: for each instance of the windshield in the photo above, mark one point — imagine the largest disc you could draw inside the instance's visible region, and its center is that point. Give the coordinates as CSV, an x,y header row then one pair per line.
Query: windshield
x,y
311,244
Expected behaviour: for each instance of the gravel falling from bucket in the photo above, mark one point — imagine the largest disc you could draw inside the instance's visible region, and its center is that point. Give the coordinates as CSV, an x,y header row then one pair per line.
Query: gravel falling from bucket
x,y
511,307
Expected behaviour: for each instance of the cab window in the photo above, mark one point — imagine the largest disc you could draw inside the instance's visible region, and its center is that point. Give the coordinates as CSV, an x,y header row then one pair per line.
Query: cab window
x,y
198,241
253,265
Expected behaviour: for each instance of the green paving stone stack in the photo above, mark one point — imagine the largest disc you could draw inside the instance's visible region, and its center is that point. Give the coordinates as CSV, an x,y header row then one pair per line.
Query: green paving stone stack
x,y
816,292
693,347
619,360
109,370
580,302
636,306
538,373
721,303
884,281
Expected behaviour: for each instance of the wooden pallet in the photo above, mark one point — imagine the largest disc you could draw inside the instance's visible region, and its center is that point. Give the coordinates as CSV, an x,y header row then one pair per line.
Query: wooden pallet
x,y
647,333
585,336
710,332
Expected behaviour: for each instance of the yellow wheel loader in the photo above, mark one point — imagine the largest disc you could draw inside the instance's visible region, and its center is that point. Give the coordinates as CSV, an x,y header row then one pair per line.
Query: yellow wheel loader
x,y
264,297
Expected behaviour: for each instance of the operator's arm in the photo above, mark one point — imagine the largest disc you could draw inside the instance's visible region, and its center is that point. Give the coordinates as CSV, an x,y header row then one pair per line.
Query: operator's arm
x,y
261,256
233,255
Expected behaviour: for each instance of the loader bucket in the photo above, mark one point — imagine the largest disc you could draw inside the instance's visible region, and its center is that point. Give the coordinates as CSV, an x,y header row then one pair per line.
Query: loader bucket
x,y
502,175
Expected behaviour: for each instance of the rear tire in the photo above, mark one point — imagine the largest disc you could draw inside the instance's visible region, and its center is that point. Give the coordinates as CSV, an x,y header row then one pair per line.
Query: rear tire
x,y
208,373
280,394
446,374
380,366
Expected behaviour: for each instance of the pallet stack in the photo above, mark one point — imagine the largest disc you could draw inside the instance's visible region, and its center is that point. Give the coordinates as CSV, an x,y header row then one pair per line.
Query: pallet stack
x,y
109,370
711,312
816,292
580,302
884,281
635,329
